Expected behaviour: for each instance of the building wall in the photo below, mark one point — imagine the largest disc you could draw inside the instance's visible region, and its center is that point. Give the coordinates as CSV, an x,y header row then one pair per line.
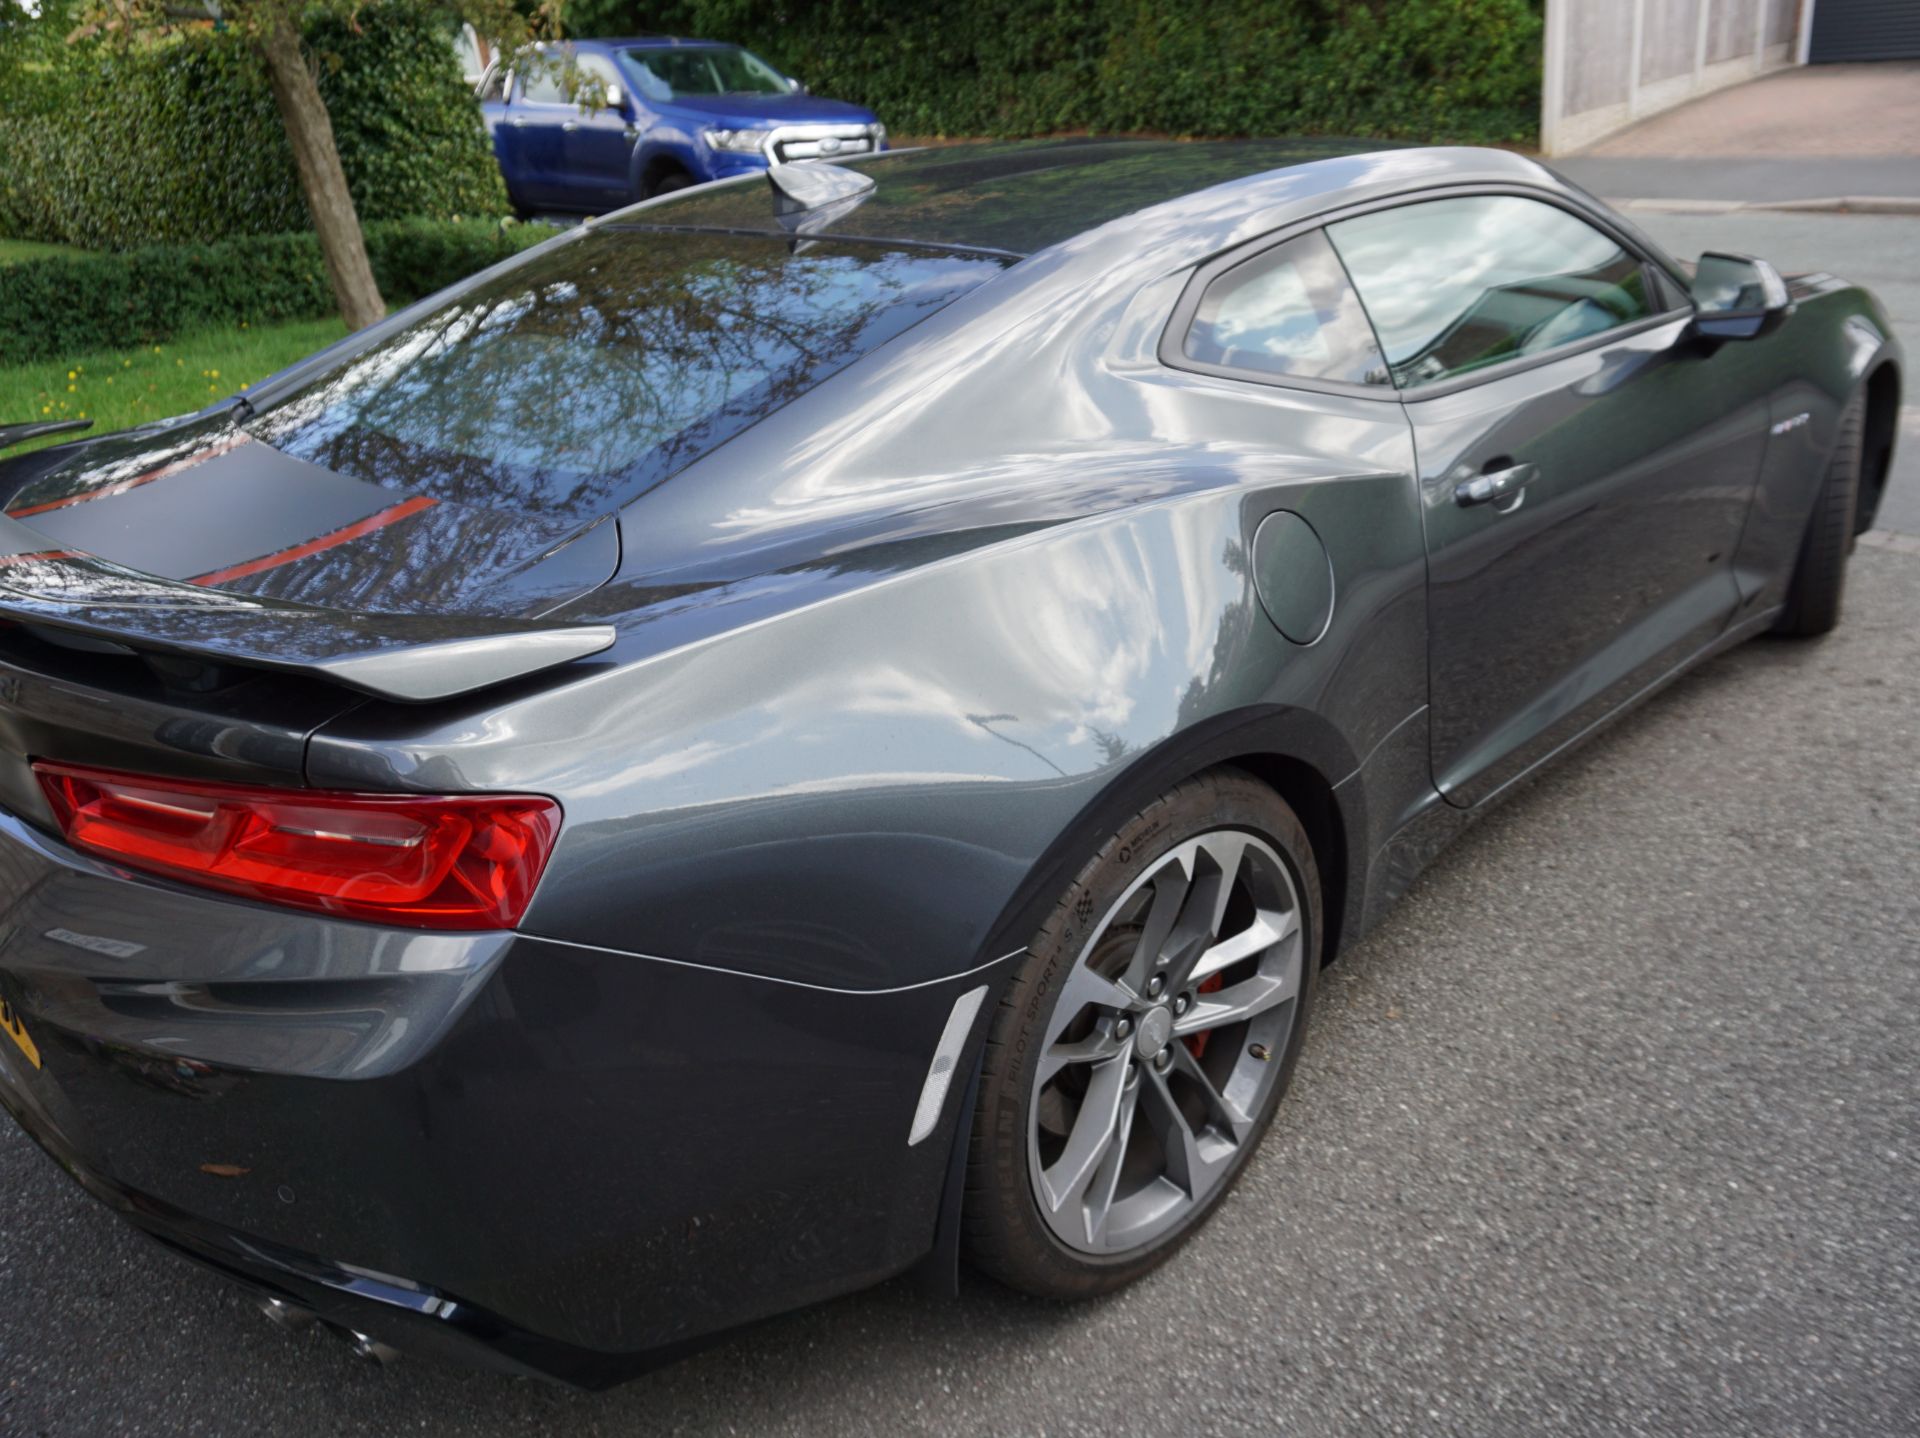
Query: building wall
x,y
1612,62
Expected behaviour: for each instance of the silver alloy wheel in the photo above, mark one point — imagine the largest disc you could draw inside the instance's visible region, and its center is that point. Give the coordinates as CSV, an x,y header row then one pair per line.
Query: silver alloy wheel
x,y
1167,1040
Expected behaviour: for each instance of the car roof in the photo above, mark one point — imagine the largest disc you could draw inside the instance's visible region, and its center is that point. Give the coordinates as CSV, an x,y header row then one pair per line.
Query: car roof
x,y
1019,197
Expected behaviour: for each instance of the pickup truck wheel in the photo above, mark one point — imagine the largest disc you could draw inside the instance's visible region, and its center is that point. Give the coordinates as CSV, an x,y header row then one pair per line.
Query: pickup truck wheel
x,y
666,184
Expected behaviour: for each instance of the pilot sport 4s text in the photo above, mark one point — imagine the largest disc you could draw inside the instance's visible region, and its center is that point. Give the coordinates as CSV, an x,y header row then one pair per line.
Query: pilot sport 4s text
x,y
825,724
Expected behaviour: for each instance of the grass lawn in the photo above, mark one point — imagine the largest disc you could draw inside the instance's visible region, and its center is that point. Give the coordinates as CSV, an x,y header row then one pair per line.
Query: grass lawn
x,y
118,388
33,250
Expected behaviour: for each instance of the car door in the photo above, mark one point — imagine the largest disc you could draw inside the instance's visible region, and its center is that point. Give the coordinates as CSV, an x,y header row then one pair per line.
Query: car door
x,y
533,138
1584,466
597,140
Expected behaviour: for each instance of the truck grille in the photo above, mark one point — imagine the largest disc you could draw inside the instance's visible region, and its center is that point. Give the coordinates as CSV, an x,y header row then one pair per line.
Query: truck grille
x,y
822,142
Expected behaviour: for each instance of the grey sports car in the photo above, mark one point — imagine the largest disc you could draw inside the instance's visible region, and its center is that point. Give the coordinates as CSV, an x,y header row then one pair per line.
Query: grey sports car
x,y
804,730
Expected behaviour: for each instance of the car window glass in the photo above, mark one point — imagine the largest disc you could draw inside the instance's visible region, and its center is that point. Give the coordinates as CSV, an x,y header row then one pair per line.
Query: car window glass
x,y
1288,311
591,371
543,85
596,73
649,85
705,70
496,85
1455,285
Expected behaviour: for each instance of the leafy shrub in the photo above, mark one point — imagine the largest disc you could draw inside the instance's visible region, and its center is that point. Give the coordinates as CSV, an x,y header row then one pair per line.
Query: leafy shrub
x,y
76,304
1466,70
182,141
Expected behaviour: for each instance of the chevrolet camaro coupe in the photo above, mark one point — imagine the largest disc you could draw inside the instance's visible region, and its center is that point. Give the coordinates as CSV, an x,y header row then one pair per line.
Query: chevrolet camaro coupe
x,y
826,724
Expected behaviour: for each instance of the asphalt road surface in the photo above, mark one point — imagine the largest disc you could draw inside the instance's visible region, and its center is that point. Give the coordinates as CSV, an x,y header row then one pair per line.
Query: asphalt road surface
x,y
1610,1128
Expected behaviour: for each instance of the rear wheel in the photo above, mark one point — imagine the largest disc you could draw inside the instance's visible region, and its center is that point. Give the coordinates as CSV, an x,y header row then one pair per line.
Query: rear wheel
x,y
1820,572
1140,1052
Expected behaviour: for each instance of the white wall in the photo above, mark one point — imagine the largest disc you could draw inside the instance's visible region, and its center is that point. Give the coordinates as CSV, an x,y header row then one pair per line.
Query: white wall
x,y
1612,62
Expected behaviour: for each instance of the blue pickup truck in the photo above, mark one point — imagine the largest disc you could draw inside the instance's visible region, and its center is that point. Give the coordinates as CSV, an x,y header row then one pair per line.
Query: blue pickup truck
x,y
637,118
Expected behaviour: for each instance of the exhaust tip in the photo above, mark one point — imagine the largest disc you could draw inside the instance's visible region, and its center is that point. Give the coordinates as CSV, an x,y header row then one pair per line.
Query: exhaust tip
x,y
294,1318
282,1314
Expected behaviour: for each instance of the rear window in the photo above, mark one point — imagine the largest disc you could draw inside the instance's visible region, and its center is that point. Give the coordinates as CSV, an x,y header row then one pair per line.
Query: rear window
x,y
591,373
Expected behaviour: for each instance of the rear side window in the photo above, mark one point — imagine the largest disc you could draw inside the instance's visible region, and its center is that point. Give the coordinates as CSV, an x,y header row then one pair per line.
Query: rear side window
x,y
1455,285
577,380
1288,311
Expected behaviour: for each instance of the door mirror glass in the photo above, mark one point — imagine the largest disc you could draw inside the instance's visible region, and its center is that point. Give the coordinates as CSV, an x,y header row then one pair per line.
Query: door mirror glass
x,y
1737,297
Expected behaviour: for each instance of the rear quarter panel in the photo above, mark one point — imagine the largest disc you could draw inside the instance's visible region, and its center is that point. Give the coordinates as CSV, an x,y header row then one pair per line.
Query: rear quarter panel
x,y
883,653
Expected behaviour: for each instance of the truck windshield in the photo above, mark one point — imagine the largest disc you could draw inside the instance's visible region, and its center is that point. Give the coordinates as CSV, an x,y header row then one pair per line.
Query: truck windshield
x,y
586,375
704,70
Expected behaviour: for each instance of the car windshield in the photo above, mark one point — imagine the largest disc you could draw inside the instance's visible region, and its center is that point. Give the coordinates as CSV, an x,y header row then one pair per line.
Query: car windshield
x,y
704,70
578,380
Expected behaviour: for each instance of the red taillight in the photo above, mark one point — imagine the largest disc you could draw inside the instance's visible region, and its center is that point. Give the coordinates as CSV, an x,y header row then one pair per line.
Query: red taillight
x,y
464,861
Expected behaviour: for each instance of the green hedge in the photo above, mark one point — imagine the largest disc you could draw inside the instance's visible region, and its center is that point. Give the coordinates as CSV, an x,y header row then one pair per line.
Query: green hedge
x,y
1463,70
183,141
80,303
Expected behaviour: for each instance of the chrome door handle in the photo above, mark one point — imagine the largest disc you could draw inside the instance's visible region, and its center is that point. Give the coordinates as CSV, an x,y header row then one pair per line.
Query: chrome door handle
x,y
518,121
1497,484
570,125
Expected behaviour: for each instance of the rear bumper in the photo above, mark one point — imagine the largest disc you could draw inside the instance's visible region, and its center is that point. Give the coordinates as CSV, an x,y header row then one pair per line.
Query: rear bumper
x,y
550,1158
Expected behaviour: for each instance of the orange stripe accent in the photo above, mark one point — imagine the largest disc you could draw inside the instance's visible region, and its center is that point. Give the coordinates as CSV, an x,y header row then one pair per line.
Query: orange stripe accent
x,y
212,451
314,546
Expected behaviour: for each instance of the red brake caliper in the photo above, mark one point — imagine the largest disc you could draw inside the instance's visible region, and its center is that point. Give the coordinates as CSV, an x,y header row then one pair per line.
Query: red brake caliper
x,y
1197,1043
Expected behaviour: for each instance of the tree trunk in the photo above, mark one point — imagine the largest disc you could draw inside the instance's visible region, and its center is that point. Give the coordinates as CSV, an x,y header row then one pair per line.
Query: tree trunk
x,y
317,160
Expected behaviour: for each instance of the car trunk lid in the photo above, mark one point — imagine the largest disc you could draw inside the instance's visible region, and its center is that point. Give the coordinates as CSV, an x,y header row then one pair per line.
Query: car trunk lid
x,y
211,506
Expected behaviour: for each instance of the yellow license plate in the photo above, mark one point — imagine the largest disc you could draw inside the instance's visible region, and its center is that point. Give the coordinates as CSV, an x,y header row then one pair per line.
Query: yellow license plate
x,y
11,1026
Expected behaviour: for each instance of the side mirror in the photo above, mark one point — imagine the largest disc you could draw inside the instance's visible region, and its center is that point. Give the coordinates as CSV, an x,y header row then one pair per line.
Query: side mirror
x,y
794,87
1737,297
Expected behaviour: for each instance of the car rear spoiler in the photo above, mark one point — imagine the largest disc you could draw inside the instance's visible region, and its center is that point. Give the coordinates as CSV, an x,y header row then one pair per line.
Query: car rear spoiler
x,y
414,658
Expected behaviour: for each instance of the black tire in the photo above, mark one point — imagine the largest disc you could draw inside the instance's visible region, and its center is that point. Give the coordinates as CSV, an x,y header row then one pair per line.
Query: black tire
x,y
1004,1232
669,182
1820,572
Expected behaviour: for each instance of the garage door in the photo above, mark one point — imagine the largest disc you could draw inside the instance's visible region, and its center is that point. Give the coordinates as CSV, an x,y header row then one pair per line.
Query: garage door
x,y
1865,30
